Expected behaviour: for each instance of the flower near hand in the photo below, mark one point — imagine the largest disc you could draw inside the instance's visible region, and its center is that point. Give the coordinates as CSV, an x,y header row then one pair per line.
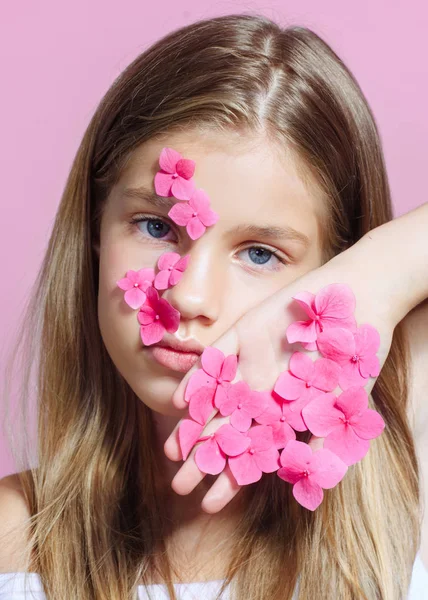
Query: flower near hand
x,y
355,352
306,379
333,306
196,215
175,176
282,422
242,404
310,472
217,374
155,317
135,285
260,457
345,422
171,267
226,441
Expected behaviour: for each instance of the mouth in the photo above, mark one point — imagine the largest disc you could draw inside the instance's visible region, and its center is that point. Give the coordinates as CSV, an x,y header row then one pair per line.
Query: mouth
x,y
173,359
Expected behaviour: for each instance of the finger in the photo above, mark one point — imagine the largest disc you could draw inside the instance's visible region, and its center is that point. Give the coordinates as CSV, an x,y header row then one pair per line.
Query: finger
x,y
227,343
171,446
223,490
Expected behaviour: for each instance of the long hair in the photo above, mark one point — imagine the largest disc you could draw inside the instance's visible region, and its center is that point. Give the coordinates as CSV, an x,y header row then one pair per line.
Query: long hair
x,y
97,524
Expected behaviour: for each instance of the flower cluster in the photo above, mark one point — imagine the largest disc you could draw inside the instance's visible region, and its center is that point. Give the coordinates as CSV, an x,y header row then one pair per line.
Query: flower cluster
x,y
261,435
155,314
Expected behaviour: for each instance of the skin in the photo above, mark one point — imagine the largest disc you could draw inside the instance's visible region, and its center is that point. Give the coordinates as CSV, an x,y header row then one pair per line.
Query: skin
x,y
248,181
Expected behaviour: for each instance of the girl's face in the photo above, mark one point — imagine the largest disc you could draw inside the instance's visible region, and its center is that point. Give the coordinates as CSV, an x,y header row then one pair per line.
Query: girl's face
x,y
233,266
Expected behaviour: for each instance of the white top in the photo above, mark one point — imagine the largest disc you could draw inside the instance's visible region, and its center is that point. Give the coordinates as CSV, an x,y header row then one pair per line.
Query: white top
x,y
12,587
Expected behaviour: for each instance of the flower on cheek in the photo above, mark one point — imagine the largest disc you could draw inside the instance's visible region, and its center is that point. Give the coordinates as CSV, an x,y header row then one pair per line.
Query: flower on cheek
x,y
226,441
135,285
217,374
155,317
175,176
310,472
196,215
242,404
355,352
171,267
345,422
333,306
260,457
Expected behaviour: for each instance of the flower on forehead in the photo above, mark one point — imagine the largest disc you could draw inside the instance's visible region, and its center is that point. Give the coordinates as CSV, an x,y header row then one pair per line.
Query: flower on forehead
x,y
333,306
355,352
306,379
345,422
155,317
188,434
217,374
175,176
260,457
226,441
135,285
171,266
242,404
310,472
196,215
275,415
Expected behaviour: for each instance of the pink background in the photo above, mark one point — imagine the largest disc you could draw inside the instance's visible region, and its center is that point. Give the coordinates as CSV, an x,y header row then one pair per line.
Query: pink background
x,y
59,58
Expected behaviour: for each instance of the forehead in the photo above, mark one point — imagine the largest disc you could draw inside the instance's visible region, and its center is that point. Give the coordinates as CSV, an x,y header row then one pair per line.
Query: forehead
x,y
248,180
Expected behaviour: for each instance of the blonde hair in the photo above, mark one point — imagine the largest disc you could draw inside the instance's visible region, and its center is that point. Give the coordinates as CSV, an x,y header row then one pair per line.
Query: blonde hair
x,y
97,523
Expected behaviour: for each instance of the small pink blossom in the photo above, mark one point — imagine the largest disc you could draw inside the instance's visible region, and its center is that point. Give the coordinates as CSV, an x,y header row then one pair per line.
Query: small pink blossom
x,y
355,352
196,214
171,267
217,374
155,317
201,404
175,176
188,434
310,472
226,441
275,415
242,404
260,457
135,285
333,306
345,422
306,379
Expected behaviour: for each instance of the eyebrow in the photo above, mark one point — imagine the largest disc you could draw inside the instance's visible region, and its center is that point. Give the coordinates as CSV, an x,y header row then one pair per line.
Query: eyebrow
x,y
273,232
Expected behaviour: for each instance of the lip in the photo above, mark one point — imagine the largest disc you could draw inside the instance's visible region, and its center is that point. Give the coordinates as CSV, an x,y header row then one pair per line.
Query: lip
x,y
189,346
173,359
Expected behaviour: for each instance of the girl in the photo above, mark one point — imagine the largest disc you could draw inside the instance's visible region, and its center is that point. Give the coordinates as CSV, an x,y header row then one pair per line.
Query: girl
x,y
287,149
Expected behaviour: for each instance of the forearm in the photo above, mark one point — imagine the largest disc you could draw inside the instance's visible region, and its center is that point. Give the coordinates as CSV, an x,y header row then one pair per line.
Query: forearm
x,y
393,259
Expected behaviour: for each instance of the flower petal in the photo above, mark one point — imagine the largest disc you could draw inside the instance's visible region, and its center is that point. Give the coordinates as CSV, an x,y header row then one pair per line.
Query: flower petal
x,y
350,376
307,302
135,297
335,300
294,459
167,259
261,437
146,315
327,469
231,441
321,416
188,433
267,460
161,281
169,316
210,458
212,361
369,366
175,277
244,468
308,493
369,425
198,379
162,182
301,366
181,213
183,188
195,228
301,331
337,344
240,419
282,433
229,367
201,404
367,340
168,159
185,167
326,374
152,333
289,387
352,402
347,445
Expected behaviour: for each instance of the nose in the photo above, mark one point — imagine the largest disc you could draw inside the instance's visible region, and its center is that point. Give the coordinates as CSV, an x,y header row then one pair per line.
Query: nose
x,y
198,293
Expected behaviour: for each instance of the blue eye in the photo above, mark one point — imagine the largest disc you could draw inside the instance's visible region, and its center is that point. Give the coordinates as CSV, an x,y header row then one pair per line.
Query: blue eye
x,y
260,255
156,228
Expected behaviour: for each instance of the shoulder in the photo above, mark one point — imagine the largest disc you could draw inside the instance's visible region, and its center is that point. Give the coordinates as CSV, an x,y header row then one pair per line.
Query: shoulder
x,y
13,531
416,327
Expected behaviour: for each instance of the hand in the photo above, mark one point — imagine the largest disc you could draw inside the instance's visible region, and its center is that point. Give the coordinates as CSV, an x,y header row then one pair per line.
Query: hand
x,y
258,338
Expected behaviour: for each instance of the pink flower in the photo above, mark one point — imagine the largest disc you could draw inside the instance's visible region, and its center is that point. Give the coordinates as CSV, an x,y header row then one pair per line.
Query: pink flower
x,y
156,317
226,441
135,284
275,416
306,379
196,215
333,306
171,266
188,434
345,422
355,352
310,472
175,176
260,457
201,404
242,404
217,374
